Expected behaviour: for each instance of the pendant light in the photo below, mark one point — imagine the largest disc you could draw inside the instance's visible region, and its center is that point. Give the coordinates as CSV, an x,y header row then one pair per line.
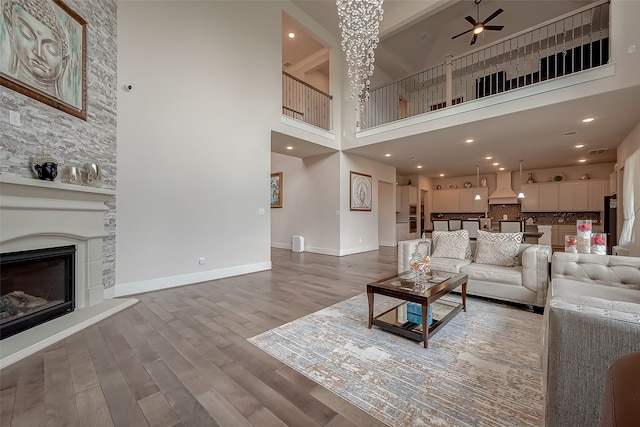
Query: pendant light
x,y
478,183
520,194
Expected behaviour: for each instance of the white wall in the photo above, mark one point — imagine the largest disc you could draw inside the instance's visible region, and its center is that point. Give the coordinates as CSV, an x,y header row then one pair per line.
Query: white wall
x,y
359,229
194,139
386,213
309,203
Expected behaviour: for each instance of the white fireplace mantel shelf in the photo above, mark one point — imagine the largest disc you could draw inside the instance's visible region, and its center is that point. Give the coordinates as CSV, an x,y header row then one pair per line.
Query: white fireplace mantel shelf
x,y
21,184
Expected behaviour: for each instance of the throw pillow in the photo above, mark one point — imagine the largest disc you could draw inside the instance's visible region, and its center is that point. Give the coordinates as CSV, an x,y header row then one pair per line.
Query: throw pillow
x,y
451,244
498,248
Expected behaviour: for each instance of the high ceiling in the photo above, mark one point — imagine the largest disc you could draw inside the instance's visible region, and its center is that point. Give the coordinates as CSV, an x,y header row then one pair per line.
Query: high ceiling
x,y
543,137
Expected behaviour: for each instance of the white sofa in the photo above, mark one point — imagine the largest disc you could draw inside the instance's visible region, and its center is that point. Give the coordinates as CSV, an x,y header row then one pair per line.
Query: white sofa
x,y
592,318
525,283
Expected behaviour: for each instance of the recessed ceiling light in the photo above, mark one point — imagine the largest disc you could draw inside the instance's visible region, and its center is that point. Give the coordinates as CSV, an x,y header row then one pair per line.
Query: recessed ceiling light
x,y
419,166
469,141
488,158
501,169
291,35
588,119
441,174
289,147
582,160
387,155
496,164
579,145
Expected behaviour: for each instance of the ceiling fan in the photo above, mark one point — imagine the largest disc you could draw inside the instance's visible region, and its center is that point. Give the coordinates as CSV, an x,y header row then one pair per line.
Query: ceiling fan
x,y
478,26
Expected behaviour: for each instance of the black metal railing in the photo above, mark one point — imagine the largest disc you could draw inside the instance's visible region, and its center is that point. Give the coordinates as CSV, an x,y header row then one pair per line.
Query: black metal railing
x,y
303,102
574,42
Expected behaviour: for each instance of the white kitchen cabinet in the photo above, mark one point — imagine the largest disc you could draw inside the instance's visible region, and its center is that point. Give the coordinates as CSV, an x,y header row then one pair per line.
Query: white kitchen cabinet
x,y
460,200
597,191
530,201
548,197
573,196
404,195
445,201
413,196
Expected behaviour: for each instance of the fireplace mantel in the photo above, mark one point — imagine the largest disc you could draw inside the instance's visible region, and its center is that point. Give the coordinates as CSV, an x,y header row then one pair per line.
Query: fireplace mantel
x,y
41,214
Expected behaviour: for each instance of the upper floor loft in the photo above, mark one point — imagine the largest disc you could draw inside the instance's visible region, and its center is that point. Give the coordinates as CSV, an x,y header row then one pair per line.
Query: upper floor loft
x,y
580,53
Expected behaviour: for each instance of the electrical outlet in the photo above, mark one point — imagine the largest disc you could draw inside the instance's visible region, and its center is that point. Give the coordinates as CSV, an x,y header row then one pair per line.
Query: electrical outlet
x,y
202,260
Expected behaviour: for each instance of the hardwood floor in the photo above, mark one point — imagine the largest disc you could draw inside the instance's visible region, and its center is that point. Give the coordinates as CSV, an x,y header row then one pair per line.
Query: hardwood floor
x,y
180,356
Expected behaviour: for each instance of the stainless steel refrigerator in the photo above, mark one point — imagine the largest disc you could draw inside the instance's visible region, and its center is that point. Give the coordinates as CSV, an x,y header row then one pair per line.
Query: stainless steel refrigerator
x,y
609,222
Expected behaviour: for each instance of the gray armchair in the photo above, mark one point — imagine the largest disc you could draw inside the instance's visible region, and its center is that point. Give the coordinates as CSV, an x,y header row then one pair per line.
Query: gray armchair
x,y
592,318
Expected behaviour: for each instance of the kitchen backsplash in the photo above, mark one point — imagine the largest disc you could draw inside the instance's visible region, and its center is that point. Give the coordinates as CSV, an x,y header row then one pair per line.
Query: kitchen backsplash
x,y
496,212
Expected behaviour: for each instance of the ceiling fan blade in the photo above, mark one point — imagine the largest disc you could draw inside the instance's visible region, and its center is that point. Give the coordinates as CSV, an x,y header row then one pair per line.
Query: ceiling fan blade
x,y
473,40
494,27
493,15
471,20
461,34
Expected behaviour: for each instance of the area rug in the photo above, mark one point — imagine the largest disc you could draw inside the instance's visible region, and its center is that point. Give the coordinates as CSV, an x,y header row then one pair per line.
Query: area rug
x,y
481,369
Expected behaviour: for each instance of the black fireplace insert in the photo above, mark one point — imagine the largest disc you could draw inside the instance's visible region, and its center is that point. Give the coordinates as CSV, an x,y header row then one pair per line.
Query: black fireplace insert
x,y
35,286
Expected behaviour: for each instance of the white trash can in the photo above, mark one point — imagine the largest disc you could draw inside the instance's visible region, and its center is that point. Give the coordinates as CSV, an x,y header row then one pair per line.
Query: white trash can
x,y
297,244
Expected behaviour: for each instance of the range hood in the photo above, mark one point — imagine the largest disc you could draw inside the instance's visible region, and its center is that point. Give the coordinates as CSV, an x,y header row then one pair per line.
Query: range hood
x,y
503,195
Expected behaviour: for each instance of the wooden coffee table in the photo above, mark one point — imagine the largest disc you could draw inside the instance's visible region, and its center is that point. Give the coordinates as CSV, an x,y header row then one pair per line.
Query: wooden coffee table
x,y
401,287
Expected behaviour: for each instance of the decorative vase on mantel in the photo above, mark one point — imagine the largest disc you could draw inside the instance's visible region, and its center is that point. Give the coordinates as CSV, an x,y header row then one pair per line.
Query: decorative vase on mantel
x,y
530,179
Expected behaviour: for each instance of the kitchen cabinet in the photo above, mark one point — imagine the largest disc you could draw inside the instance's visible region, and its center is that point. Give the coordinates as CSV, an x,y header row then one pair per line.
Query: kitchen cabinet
x,y
547,197
597,191
572,196
460,200
404,195
530,201
445,201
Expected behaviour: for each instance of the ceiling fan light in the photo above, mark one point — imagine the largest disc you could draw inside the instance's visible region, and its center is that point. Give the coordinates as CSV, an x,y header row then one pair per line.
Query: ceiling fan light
x,y
478,30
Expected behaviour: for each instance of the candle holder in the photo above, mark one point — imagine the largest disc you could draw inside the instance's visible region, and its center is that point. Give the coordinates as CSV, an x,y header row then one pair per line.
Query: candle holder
x,y
599,243
571,244
583,235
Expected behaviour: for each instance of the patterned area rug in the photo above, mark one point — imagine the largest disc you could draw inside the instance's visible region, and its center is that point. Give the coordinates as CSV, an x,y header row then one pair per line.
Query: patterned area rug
x,y
481,369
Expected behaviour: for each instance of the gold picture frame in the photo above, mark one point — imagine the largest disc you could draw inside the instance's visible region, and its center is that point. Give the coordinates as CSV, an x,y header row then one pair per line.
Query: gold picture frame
x,y
275,192
43,53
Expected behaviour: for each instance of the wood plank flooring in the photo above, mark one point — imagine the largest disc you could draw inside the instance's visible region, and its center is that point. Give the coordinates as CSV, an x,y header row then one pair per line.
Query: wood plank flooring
x,y
180,356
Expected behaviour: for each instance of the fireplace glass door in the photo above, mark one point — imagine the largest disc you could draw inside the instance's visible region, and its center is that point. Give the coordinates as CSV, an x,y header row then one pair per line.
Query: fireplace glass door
x,y
35,286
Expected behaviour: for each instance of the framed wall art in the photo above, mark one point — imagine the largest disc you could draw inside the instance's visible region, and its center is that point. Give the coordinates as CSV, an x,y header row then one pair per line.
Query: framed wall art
x,y
43,53
360,193
276,190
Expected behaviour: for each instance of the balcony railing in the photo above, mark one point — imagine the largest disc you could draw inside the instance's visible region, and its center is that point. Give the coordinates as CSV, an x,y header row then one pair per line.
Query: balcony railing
x,y
303,102
574,42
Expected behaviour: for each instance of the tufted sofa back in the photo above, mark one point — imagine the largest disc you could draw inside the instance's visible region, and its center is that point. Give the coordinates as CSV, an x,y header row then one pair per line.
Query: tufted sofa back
x,y
608,270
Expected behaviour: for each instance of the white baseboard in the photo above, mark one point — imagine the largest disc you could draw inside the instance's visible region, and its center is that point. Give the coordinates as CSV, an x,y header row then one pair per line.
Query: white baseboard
x,y
132,288
359,249
393,243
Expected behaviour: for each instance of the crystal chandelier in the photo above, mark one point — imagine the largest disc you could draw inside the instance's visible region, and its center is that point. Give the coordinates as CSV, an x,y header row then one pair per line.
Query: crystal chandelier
x,y
359,21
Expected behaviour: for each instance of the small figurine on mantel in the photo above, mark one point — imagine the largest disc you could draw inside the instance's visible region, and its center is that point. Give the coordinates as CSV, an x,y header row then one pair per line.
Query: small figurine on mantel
x,y
45,167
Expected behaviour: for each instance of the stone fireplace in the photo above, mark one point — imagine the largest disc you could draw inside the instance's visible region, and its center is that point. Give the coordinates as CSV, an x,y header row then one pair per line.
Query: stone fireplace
x,y
37,215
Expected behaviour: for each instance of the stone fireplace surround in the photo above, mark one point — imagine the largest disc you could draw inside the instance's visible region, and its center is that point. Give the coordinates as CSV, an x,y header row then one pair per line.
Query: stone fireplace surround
x,y
38,214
